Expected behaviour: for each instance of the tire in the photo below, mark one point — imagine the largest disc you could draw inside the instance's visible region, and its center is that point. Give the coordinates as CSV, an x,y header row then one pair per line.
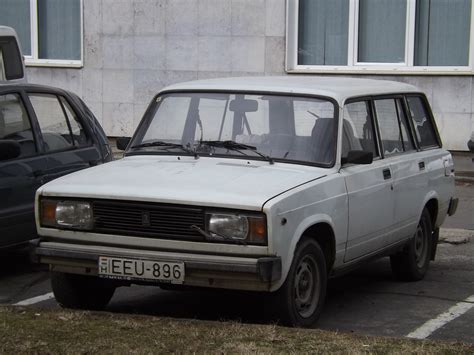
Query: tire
x,y
300,299
81,292
412,263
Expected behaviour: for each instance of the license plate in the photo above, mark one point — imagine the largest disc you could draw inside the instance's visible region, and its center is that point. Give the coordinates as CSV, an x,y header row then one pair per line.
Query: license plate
x,y
135,269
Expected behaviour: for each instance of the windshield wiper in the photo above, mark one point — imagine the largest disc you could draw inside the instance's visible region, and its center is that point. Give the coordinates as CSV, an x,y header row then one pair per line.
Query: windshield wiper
x,y
232,145
208,236
167,145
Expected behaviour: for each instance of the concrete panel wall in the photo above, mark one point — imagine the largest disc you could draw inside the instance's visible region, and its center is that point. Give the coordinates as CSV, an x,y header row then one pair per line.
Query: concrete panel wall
x,y
133,48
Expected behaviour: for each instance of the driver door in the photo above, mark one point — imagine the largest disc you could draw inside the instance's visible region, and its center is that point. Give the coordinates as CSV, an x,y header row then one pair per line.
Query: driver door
x,y
20,177
369,187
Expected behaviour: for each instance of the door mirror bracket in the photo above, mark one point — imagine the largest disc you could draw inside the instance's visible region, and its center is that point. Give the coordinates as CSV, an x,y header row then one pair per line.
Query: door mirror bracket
x,y
122,142
358,157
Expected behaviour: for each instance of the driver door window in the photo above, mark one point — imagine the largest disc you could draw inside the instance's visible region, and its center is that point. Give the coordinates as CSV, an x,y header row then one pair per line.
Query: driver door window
x,y
358,129
15,124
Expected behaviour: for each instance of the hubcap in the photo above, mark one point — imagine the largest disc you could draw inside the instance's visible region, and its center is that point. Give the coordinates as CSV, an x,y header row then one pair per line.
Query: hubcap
x,y
307,286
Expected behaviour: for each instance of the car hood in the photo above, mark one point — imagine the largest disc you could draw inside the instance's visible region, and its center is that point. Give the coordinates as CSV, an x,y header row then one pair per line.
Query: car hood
x,y
206,181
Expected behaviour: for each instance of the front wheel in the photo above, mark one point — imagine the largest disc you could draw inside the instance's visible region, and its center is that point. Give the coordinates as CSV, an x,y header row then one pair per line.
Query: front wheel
x,y
300,299
412,263
81,292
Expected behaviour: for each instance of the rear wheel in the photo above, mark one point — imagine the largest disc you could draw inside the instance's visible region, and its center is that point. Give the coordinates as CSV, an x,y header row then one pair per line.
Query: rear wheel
x,y
300,299
412,263
81,292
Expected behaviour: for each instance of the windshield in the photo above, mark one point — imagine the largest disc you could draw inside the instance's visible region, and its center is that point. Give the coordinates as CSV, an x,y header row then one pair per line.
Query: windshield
x,y
287,128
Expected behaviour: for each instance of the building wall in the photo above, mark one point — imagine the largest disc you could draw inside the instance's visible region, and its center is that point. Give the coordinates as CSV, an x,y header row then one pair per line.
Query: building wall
x,y
134,48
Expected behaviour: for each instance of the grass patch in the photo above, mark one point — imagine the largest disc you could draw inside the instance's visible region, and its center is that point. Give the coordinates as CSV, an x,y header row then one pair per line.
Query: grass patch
x,y
29,330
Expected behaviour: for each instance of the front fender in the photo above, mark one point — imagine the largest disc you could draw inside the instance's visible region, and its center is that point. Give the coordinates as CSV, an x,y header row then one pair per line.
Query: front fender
x,y
287,258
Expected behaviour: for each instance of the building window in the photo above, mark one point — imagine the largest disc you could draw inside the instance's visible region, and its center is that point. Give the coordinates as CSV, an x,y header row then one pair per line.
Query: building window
x,y
382,25
50,31
380,36
322,32
442,32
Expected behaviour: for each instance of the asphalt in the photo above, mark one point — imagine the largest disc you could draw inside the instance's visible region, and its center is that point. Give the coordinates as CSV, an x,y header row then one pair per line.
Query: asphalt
x,y
464,166
464,217
368,301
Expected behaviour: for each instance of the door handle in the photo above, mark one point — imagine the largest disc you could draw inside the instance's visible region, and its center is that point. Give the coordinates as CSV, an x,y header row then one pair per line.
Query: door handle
x,y
421,165
387,174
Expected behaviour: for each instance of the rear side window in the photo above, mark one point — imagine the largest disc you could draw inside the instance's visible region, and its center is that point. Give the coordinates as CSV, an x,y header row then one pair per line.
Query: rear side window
x,y
407,137
80,138
393,126
59,131
358,129
15,124
425,131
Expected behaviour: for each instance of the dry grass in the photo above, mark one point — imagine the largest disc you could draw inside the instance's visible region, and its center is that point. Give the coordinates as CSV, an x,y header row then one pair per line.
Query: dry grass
x,y
26,330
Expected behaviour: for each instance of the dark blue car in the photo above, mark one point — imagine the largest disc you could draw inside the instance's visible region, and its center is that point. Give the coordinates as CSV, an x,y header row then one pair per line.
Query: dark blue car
x,y
44,133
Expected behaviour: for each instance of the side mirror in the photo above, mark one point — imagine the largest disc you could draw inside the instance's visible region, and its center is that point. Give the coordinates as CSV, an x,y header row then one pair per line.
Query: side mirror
x,y
9,149
122,142
358,157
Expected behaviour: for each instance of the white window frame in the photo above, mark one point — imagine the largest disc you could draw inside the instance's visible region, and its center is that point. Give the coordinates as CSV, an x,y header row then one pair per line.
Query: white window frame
x,y
355,67
33,60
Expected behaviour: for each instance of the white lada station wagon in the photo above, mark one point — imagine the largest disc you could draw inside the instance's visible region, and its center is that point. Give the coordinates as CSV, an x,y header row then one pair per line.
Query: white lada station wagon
x,y
267,184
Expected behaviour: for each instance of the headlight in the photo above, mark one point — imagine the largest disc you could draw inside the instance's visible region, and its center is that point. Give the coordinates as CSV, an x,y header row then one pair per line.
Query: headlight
x,y
228,225
237,227
68,214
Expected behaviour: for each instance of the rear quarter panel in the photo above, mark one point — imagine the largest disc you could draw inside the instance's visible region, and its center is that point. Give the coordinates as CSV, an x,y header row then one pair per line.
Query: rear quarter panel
x,y
439,181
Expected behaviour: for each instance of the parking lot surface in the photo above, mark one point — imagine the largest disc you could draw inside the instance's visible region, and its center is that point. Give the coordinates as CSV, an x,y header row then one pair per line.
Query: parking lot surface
x,y
368,301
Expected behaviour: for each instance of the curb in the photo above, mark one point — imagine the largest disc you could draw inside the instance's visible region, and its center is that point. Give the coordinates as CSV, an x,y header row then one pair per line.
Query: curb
x,y
455,235
464,179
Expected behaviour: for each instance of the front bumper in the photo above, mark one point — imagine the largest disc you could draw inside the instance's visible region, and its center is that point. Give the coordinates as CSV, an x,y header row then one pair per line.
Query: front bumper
x,y
244,273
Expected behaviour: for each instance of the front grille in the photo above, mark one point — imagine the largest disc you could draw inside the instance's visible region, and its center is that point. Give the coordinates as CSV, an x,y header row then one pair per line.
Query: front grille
x,y
150,220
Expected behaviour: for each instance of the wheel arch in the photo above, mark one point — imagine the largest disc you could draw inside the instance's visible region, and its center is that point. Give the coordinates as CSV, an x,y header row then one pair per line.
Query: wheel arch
x,y
319,228
431,203
432,207
323,234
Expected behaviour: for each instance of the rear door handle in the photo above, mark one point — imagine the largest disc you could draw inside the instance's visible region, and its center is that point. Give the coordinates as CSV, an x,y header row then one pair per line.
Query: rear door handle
x,y
421,165
387,174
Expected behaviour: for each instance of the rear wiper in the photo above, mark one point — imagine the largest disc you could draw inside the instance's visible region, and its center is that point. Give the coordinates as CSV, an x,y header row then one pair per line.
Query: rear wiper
x,y
166,145
232,145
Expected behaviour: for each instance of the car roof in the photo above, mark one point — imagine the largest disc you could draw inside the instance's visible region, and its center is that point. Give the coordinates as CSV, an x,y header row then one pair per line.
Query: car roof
x,y
5,87
339,88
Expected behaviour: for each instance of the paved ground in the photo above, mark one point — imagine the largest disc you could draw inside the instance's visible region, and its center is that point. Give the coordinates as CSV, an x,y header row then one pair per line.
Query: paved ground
x,y
464,217
368,301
